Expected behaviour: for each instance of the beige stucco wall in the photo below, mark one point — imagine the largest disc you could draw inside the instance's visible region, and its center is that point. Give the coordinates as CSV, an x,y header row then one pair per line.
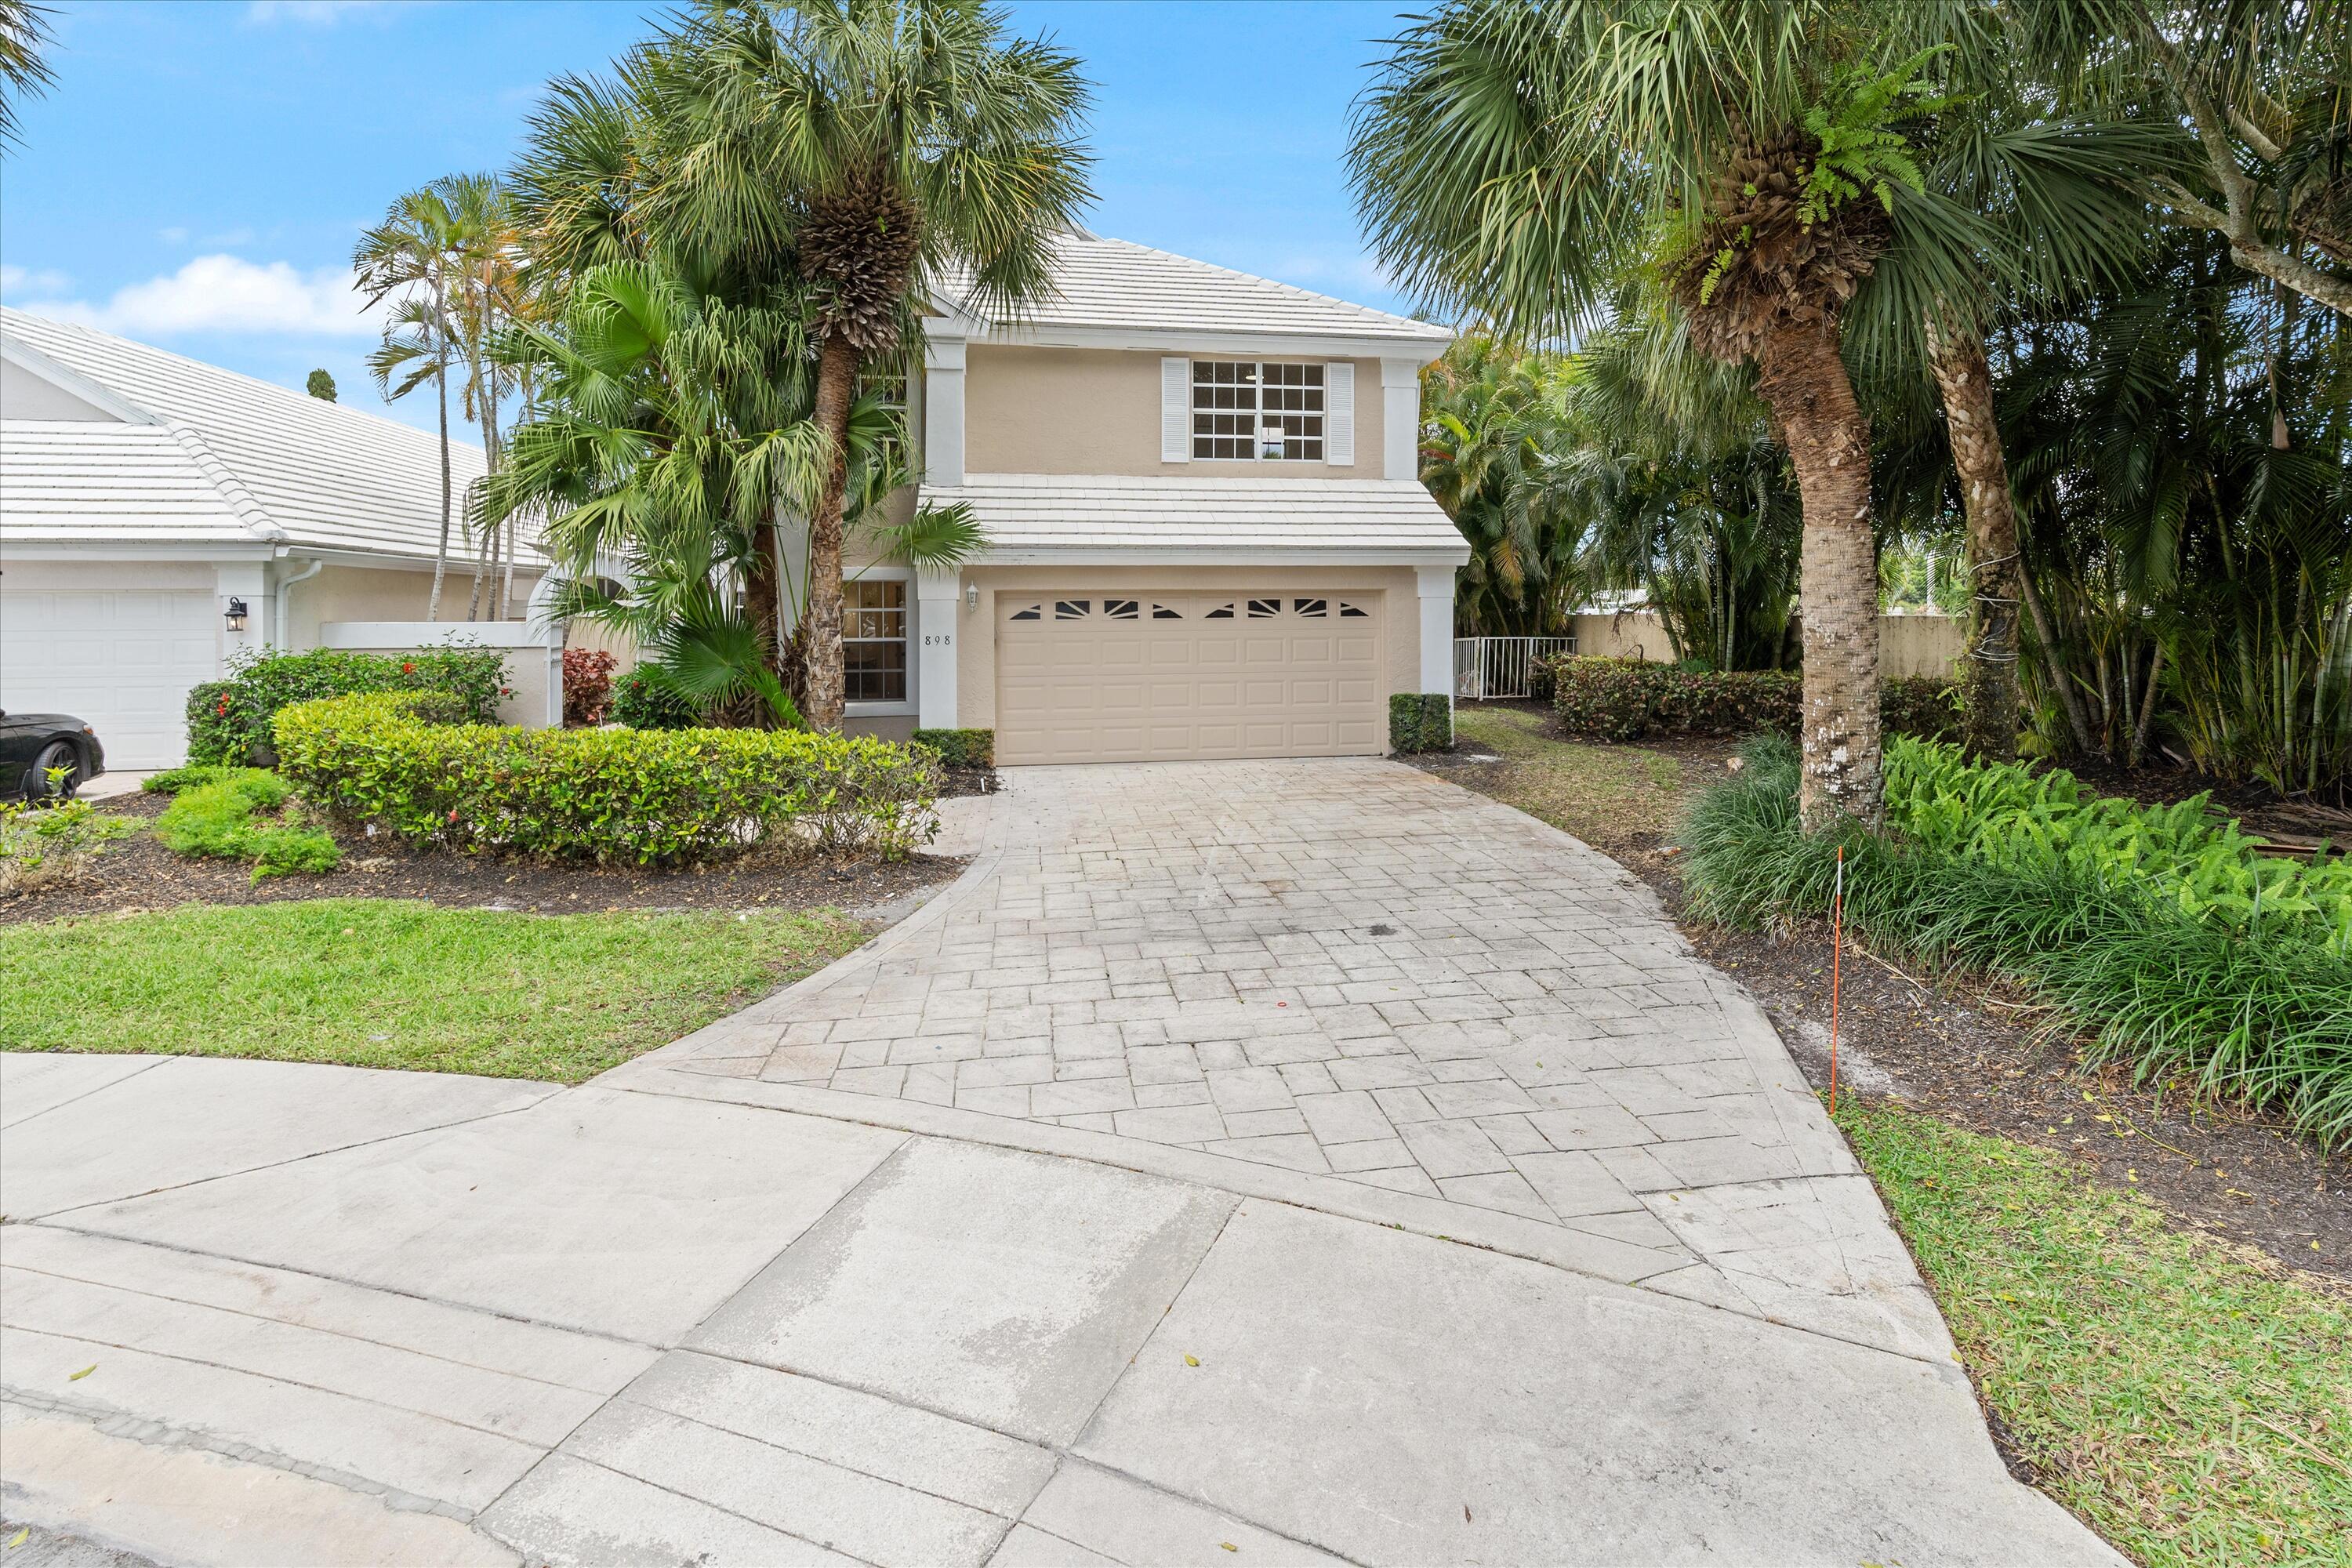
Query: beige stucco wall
x,y
1907,645
976,627
1096,411
527,680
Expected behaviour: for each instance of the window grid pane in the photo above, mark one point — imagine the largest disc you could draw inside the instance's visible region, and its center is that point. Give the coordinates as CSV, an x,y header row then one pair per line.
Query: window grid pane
x,y
874,640
1247,411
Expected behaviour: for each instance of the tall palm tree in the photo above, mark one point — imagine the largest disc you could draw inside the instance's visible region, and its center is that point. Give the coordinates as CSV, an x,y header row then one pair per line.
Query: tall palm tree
x,y
1521,158
488,294
2026,211
23,33
884,145
414,255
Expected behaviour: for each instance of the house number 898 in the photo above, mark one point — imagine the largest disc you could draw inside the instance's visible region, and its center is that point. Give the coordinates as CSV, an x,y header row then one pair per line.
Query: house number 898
x,y
939,639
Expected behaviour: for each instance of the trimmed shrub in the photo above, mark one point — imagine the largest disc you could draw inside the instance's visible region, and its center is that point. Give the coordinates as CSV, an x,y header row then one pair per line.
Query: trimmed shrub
x,y
172,780
642,700
1927,707
1625,699
587,685
1420,722
2188,991
229,721
607,793
961,748
220,729
1599,699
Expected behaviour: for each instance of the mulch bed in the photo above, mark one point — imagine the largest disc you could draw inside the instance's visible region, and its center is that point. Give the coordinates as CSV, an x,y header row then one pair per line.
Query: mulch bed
x,y
1977,1054
141,874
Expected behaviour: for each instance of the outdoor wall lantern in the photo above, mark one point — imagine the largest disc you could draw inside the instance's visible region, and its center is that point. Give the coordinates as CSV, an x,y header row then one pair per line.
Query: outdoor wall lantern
x,y
236,614
971,595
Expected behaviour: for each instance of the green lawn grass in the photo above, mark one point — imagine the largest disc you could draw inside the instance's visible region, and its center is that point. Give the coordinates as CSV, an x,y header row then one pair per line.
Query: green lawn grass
x,y
1603,794
397,983
2191,1405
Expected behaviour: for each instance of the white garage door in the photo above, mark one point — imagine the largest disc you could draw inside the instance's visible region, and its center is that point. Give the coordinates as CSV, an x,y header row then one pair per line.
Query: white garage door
x,y
120,661
1095,678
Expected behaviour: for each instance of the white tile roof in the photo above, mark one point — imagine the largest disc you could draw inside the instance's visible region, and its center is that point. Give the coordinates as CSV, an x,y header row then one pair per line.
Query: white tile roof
x,y
1111,516
80,479
1119,284
283,462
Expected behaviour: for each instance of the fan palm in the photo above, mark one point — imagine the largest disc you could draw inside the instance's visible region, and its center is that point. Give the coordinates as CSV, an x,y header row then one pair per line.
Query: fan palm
x,y
411,258
1749,157
883,144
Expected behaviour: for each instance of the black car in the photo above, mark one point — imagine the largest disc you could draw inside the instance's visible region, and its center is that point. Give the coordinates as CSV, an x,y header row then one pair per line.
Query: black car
x,y
33,743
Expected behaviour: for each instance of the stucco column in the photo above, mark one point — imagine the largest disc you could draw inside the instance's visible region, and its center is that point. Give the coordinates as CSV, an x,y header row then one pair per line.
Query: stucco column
x,y
943,411
249,581
939,606
1400,419
1436,628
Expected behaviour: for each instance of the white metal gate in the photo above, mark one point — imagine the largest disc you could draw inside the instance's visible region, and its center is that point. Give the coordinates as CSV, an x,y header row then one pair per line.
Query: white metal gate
x,y
1490,668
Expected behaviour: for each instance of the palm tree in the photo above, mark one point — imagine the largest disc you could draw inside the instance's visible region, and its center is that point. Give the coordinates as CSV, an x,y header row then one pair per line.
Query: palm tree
x,y
414,254
24,32
2026,211
1748,157
486,296
883,145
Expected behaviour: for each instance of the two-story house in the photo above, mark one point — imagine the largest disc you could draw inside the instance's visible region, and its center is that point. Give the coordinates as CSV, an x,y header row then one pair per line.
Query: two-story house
x,y
1206,533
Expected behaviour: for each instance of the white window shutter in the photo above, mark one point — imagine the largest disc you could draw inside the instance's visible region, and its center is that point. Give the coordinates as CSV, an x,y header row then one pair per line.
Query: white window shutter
x,y
1339,414
1175,411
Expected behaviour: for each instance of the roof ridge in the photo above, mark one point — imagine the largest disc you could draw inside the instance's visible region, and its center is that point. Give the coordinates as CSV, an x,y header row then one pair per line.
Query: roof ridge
x,y
325,406
232,490
1259,278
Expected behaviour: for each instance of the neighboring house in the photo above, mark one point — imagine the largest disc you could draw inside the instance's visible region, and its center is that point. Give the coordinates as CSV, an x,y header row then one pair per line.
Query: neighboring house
x,y
143,496
1207,533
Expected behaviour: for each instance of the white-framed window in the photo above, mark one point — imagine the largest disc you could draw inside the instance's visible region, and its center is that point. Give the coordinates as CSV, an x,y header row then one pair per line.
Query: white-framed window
x,y
874,639
1258,410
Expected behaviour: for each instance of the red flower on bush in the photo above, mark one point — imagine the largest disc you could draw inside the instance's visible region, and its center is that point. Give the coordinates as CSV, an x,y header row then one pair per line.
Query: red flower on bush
x,y
408,667
222,706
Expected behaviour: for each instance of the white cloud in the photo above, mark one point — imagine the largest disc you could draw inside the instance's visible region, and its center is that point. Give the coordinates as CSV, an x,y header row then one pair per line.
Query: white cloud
x,y
308,13
17,282
226,294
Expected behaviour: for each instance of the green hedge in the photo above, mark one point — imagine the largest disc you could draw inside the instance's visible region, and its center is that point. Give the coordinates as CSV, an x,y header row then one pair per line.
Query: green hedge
x,y
2137,925
1420,722
961,748
229,721
645,796
1599,699
1625,699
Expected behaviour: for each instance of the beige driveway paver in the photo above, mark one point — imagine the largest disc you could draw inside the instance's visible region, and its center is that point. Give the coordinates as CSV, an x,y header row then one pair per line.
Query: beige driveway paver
x,y
1352,972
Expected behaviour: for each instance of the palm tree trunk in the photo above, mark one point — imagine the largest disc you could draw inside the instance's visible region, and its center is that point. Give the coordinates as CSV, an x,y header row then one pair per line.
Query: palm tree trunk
x,y
836,377
1988,680
441,386
1805,381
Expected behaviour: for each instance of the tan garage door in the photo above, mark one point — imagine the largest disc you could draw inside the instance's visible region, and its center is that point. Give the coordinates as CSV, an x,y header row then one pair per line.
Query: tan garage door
x,y
1095,678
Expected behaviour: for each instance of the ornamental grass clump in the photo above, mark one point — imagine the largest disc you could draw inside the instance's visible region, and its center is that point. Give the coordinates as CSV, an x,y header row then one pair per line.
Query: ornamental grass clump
x,y
2133,929
605,794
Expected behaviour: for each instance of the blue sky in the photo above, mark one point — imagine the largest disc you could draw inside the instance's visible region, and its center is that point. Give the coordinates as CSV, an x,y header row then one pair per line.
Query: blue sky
x,y
199,173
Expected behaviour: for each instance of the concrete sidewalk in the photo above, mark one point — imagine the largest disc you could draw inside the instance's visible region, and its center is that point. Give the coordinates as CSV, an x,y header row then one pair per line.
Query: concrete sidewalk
x,y
255,1314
